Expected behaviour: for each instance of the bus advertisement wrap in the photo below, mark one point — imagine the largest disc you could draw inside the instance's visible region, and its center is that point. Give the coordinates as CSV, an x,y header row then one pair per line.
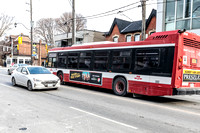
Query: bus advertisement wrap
x,y
94,78
191,76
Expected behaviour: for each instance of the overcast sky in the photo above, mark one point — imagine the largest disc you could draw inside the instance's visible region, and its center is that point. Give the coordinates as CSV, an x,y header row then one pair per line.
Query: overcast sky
x,y
54,8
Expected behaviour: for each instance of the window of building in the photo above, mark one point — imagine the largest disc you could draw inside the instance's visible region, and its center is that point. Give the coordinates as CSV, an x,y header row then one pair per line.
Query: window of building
x,y
14,61
196,9
115,39
8,61
151,32
137,37
128,38
179,12
21,61
187,14
27,61
170,10
4,48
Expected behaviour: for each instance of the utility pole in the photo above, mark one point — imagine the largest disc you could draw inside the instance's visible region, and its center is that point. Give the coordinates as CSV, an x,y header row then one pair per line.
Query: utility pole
x,y
73,23
40,43
143,3
31,31
11,49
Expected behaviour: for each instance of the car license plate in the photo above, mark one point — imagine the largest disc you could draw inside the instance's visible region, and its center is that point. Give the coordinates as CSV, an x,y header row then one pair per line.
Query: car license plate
x,y
50,85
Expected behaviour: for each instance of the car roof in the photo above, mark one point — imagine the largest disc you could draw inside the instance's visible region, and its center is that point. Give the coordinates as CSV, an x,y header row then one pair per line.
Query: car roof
x,y
32,66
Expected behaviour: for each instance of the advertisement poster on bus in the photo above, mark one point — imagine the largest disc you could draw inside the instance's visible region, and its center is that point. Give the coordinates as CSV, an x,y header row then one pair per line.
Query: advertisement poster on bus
x,y
191,75
88,77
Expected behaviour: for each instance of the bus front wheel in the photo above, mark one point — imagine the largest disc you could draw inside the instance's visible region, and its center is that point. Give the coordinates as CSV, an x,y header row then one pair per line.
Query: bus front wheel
x,y
120,86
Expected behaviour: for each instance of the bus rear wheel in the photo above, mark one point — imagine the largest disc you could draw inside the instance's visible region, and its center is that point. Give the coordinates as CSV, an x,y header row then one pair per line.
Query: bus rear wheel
x,y
120,86
60,76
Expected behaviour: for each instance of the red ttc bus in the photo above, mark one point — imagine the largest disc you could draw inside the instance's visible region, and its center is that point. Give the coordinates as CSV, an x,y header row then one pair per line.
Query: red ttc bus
x,y
166,63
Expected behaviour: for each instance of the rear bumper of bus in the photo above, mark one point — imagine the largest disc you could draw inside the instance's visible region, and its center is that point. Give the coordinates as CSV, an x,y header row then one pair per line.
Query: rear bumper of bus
x,y
186,91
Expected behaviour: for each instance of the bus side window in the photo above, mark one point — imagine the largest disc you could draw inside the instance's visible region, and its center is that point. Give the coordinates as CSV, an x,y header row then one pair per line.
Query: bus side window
x,y
73,60
62,60
52,61
101,60
49,62
121,60
147,60
85,60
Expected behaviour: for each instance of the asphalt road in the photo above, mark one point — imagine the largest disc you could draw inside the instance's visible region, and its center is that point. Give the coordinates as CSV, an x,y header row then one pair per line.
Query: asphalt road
x,y
82,109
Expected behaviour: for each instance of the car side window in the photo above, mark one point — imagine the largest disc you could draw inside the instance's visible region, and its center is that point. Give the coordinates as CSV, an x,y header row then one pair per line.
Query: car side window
x,y
24,71
19,69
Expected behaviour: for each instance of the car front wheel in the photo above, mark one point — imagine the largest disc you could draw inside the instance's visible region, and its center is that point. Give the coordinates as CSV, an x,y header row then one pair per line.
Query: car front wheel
x,y
13,81
29,86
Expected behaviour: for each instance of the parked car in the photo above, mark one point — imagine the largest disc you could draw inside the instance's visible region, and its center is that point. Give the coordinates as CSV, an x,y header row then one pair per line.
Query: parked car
x,y
13,67
34,77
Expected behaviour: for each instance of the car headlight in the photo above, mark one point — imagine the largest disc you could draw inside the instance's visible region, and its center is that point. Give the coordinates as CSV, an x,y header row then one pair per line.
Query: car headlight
x,y
37,80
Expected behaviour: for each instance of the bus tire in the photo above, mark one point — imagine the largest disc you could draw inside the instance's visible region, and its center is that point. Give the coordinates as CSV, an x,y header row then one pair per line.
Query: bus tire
x,y
60,76
120,86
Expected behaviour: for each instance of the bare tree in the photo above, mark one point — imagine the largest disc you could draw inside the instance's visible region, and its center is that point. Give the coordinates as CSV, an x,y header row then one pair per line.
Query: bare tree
x,y
64,23
45,29
5,23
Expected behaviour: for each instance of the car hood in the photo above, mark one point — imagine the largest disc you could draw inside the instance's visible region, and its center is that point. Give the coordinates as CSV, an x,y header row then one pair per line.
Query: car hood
x,y
44,77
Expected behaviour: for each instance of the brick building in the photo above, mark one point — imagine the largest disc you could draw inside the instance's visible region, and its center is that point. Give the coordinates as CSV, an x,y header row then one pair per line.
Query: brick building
x,y
126,31
22,52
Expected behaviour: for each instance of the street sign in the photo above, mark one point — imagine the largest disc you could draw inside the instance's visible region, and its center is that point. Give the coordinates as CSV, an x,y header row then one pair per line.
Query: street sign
x,y
34,54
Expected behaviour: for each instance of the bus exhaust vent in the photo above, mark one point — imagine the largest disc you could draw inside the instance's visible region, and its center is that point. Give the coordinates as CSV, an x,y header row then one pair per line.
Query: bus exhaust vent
x,y
160,37
191,43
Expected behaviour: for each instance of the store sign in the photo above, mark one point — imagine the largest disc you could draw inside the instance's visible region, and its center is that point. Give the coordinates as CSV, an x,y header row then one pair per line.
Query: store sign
x,y
93,78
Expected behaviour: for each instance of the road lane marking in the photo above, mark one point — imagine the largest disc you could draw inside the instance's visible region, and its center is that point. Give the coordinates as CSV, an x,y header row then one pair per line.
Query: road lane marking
x,y
104,118
8,86
148,103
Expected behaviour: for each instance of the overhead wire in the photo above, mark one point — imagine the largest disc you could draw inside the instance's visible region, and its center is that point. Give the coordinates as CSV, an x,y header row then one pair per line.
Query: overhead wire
x,y
113,10
105,14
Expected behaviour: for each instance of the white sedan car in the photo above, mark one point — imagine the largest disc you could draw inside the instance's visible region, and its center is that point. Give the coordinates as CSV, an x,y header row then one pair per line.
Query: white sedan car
x,y
34,77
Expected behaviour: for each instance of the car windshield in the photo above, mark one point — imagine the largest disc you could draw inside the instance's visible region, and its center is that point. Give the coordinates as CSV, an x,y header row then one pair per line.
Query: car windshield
x,y
38,70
